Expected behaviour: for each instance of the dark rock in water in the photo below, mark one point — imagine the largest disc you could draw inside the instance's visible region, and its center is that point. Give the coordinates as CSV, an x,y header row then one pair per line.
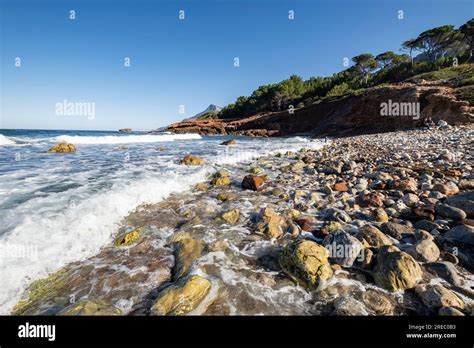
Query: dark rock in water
x,y
125,130
395,269
464,201
343,248
445,270
426,225
338,215
63,148
253,182
463,234
447,211
191,160
436,296
450,312
395,230
378,302
348,306
229,142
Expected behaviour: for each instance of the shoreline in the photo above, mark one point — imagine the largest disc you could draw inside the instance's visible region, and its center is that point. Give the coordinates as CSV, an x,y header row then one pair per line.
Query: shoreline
x,y
234,251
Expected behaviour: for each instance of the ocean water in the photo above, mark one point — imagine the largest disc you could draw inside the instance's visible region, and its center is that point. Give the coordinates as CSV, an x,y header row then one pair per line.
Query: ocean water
x,y
60,208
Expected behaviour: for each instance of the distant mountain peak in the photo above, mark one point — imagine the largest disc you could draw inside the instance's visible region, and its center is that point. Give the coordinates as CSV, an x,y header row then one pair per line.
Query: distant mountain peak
x,y
211,108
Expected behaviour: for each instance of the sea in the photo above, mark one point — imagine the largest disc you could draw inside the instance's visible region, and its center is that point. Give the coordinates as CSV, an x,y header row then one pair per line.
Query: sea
x,y
60,208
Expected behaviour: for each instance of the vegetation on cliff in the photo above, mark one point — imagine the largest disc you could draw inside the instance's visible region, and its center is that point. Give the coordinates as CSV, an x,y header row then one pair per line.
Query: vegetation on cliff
x,y
437,48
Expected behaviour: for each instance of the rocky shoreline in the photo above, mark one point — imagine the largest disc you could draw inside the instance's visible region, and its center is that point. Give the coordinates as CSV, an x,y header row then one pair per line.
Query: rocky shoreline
x,y
376,224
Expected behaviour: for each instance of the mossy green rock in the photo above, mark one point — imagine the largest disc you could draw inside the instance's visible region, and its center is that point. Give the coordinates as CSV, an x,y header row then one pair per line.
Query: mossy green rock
x,y
191,160
306,263
395,269
182,297
220,181
129,237
91,307
42,290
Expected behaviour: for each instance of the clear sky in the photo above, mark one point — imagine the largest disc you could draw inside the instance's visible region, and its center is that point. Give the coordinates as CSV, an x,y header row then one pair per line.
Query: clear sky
x,y
186,62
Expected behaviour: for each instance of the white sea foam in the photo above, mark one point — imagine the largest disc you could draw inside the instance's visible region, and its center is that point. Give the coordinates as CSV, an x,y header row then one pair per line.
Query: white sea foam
x,y
6,141
76,233
127,139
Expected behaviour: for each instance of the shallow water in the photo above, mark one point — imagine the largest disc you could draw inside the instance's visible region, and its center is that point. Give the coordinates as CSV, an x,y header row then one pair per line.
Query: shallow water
x,y
61,208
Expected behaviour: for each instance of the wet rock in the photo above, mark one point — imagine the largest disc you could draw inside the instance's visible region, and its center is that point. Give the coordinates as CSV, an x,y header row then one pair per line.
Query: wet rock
x,y
395,269
306,224
348,306
449,311
373,236
343,248
436,296
191,160
445,270
219,245
447,211
253,182
271,223
463,234
221,178
91,307
63,148
229,142
448,189
378,302
186,251
182,297
338,215
369,200
395,230
202,186
280,193
306,263
226,196
129,237
231,216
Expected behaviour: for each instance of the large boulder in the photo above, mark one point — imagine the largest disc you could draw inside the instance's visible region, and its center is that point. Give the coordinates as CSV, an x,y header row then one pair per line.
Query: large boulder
x,y
182,297
63,148
306,263
91,307
395,270
343,248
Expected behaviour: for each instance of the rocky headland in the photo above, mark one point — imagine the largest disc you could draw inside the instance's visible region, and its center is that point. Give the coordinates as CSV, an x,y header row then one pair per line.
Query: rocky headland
x,y
379,224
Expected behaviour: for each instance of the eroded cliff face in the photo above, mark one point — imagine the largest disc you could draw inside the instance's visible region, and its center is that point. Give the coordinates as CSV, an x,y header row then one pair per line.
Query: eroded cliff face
x,y
348,115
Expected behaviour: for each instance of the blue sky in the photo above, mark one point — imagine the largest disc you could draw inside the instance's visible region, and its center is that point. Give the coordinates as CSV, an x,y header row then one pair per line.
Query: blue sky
x,y
184,62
